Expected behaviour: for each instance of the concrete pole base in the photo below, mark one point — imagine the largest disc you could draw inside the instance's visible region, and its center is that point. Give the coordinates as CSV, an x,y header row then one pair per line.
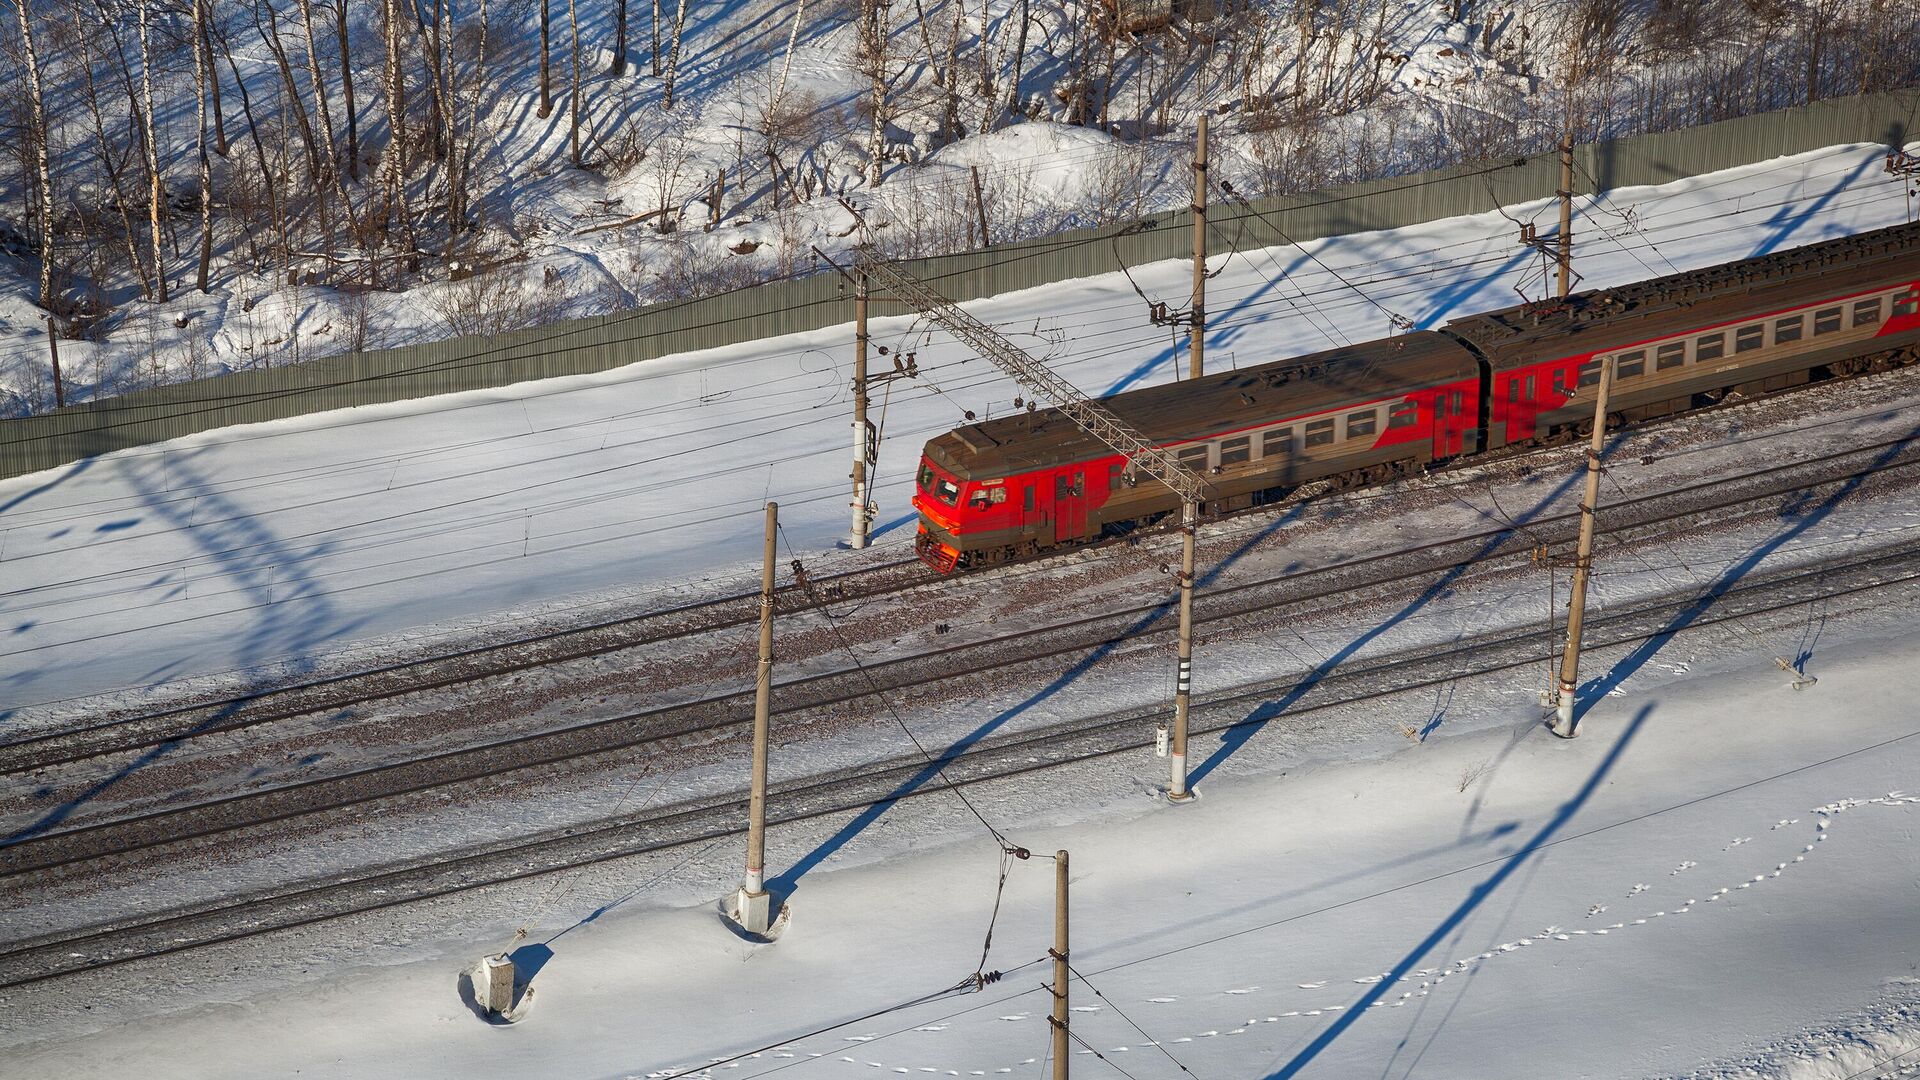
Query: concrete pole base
x,y
493,984
752,915
1564,724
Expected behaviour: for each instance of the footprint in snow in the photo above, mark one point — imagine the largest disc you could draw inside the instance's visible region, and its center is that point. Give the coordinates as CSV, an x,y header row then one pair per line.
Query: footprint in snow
x,y
932,1027
1248,990
1313,986
1636,891
1737,841
1365,979
1597,909
1086,1008
1015,1016
1163,1000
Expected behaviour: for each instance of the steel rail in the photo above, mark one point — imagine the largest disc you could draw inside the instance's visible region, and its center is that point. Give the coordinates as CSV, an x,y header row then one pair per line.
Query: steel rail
x,y
173,826
109,945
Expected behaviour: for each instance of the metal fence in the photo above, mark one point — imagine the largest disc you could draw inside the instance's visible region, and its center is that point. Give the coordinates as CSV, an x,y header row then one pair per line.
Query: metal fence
x,y
783,307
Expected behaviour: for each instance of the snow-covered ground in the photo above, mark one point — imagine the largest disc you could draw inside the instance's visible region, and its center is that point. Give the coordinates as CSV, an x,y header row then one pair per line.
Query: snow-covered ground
x,y
1716,880
273,544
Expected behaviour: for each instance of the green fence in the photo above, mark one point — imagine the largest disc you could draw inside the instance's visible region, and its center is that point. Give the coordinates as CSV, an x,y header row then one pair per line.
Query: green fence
x,y
596,344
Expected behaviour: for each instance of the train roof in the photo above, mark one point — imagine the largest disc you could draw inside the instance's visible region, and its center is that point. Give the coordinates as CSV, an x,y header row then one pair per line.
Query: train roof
x,y
1603,318
1227,401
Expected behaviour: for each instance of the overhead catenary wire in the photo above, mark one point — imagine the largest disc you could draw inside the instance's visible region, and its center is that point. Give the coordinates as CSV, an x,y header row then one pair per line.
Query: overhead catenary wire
x,y
1156,1043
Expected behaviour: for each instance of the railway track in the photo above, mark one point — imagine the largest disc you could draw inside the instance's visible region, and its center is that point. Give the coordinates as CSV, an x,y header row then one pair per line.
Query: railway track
x,y
332,694
1291,698
1297,596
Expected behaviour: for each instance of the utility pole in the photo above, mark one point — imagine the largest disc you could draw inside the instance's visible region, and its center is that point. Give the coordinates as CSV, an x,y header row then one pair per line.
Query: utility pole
x,y
866,448
980,206
1061,970
53,346
754,904
1183,688
1566,201
1141,456
1563,724
1197,357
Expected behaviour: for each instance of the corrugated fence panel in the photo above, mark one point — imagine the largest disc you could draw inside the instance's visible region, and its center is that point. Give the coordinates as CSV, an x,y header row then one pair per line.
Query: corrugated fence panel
x,y
818,300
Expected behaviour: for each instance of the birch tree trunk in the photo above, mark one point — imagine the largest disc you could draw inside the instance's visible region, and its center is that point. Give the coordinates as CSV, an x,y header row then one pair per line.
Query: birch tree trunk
x,y
156,191
319,87
873,62
573,83
200,74
346,87
43,172
1019,61
673,55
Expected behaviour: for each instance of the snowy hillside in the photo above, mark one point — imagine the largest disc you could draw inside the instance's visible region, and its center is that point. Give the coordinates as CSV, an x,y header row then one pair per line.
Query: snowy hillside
x,y
735,128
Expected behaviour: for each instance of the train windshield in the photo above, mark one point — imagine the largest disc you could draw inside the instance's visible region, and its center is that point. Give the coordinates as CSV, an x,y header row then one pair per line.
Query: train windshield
x,y
946,491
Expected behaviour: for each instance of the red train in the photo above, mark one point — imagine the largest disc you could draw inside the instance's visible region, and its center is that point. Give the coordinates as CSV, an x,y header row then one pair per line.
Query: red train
x,y
1003,489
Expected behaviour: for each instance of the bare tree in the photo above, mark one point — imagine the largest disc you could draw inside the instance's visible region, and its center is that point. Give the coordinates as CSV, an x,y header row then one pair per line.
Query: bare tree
x,y
200,74
619,65
156,191
573,85
673,54
43,172
270,36
346,88
205,45
872,62
546,84
112,164
319,86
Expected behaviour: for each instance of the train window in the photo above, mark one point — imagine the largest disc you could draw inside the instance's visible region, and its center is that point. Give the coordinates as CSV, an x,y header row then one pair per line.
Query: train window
x,y
1670,355
1194,457
1630,365
1711,347
1362,423
1785,330
1319,433
1590,373
1277,441
1826,321
1560,382
1513,389
1906,305
926,477
1026,503
1749,338
947,491
1405,414
1866,312
985,497
1236,451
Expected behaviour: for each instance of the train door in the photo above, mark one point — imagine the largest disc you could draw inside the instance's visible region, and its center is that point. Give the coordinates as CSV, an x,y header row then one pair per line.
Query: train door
x,y
1070,505
1032,519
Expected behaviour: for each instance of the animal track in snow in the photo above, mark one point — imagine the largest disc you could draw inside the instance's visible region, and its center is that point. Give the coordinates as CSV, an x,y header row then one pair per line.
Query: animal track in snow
x,y
1427,978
